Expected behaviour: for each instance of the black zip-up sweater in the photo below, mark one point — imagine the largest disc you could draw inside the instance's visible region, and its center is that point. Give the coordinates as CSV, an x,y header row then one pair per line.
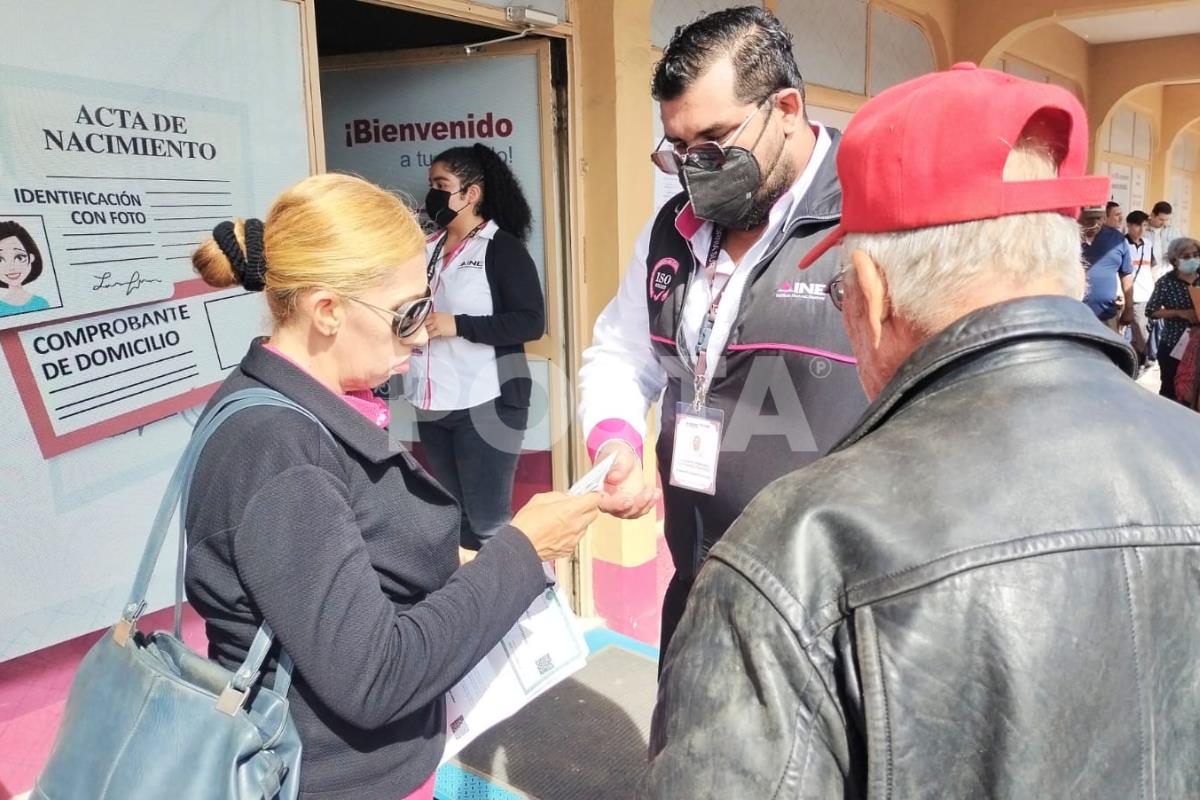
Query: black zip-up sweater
x,y
349,550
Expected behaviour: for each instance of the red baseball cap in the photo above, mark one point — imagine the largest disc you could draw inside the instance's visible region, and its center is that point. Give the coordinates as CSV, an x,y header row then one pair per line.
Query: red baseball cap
x,y
932,150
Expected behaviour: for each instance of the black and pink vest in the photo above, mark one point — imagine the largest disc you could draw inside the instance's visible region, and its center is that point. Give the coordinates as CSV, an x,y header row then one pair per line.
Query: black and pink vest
x,y
786,381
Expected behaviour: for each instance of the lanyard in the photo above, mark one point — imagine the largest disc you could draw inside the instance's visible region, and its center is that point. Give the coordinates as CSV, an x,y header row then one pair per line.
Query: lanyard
x,y
432,268
710,320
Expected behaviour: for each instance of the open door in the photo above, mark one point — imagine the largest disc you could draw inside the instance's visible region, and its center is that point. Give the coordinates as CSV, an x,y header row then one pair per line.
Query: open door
x,y
388,114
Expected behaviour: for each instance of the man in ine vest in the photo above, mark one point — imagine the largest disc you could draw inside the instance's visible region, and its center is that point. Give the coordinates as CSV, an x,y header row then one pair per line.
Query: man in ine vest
x,y
755,365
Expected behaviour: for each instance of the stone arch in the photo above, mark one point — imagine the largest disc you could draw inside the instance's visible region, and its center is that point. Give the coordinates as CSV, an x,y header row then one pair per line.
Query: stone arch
x,y
1120,69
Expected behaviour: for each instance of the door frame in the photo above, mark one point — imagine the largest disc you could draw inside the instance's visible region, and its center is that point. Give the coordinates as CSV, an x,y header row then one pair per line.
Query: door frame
x,y
561,241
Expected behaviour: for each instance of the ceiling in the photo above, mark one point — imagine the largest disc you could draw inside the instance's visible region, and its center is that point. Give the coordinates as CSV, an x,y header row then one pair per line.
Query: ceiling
x,y
349,26
1137,25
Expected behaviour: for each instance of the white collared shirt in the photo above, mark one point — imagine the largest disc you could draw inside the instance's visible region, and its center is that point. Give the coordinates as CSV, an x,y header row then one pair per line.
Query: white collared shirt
x,y
621,375
1145,269
450,373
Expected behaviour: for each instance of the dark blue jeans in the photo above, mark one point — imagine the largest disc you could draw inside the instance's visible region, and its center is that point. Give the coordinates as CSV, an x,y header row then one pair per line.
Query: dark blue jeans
x,y
473,453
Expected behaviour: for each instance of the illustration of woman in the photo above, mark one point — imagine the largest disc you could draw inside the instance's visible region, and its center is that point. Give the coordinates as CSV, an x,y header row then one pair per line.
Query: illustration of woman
x,y
20,264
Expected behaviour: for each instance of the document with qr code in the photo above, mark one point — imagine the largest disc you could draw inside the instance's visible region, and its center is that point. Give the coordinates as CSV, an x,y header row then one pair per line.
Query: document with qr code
x,y
543,648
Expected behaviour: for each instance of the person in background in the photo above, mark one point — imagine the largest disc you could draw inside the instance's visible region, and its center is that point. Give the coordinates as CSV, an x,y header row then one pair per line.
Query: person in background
x,y
1145,273
1159,228
1187,374
342,543
1112,216
711,308
1172,303
1109,268
1161,232
470,384
891,622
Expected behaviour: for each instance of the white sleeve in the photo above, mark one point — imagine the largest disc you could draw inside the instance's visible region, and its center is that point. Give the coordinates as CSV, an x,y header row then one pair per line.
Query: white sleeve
x,y
621,375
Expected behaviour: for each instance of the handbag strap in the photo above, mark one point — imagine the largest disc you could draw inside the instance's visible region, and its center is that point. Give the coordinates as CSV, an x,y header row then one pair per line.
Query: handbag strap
x,y
176,496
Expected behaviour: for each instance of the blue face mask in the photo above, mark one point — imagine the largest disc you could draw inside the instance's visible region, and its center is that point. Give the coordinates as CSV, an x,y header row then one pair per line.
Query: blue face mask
x,y
1189,266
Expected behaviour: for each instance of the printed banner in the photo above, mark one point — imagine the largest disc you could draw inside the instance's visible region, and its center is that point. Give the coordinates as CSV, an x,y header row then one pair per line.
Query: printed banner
x,y
101,375
105,190
127,130
388,123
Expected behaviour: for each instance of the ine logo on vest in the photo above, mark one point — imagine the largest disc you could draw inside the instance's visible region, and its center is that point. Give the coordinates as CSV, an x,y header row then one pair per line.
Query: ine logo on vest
x,y
802,290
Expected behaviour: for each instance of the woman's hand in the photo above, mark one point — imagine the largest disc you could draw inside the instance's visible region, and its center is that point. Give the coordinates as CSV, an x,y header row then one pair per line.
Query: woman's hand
x,y
1188,315
555,522
440,323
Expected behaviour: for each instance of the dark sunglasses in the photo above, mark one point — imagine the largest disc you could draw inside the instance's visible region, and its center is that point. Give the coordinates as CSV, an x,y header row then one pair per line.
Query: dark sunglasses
x,y
407,319
706,155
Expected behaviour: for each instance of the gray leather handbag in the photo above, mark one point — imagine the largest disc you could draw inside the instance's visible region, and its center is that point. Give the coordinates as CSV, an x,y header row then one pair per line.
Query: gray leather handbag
x,y
148,719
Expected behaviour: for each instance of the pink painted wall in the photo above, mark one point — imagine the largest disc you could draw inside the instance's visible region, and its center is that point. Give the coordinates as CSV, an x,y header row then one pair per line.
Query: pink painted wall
x,y
33,693
629,598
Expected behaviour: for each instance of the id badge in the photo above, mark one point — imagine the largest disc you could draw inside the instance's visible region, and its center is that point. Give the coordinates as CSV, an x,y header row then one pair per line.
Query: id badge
x,y
697,448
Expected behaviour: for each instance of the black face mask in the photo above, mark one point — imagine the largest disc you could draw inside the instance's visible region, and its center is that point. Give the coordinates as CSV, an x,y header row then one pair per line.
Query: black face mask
x,y
437,206
725,195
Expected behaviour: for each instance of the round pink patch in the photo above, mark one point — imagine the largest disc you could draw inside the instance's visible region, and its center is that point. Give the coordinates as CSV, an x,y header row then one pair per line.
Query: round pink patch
x,y
662,278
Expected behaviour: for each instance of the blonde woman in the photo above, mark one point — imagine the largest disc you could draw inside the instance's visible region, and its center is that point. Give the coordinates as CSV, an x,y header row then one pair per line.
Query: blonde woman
x,y
346,547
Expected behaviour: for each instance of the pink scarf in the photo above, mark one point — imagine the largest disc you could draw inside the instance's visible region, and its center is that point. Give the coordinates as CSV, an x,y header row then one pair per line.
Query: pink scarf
x,y
363,401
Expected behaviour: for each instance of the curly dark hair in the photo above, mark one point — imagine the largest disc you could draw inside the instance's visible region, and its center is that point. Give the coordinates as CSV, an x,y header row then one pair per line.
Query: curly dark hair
x,y
8,229
503,201
758,44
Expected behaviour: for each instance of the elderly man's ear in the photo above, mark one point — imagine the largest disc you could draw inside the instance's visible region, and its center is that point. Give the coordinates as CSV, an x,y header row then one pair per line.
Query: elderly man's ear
x,y
871,286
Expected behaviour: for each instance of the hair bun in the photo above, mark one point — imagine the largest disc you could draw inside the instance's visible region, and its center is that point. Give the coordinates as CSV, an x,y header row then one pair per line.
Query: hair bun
x,y
254,277
248,266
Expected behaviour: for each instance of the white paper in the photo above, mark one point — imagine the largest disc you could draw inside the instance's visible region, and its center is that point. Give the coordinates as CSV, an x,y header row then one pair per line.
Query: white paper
x,y
593,481
542,649
1181,347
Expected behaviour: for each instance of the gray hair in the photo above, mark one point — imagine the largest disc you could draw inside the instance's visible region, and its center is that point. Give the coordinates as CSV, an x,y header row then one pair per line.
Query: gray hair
x,y
931,272
1178,247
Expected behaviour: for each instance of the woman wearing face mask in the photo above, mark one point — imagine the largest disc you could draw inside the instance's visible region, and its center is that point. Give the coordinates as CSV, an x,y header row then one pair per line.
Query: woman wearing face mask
x,y
470,384
1172,303
342,543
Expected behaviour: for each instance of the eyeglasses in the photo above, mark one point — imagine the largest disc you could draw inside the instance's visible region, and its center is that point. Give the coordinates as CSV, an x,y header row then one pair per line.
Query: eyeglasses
x,y
407,319
837,290
706,155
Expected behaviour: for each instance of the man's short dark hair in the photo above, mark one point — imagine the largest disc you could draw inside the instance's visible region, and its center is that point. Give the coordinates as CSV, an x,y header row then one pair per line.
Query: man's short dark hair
x,y
757,43
1137,218
1110,206
1161,207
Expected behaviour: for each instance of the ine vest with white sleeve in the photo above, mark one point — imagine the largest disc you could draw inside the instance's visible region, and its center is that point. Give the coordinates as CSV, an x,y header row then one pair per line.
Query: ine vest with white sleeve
x,y
786,381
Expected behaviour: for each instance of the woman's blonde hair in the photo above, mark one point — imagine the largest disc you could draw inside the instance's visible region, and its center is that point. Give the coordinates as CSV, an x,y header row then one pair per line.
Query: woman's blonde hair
x,y
331,231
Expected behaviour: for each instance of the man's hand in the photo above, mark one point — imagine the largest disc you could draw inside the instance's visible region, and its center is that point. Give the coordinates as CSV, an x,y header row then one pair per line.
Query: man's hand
x,y
625,493
440,323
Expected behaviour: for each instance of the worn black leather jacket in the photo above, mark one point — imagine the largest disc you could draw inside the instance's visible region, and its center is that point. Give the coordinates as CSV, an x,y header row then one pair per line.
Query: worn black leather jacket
x,y
991,588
